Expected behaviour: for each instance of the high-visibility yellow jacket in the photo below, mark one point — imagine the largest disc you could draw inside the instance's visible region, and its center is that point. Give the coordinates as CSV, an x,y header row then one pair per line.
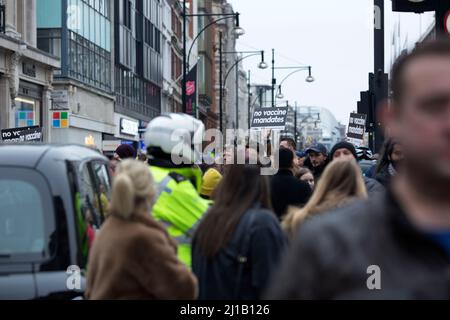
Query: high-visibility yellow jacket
x,y
178,205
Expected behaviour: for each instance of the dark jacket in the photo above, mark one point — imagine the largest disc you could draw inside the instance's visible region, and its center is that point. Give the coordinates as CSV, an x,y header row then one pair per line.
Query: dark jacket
x,y
218,277
316,171
383,177
373,186
332,255
287,190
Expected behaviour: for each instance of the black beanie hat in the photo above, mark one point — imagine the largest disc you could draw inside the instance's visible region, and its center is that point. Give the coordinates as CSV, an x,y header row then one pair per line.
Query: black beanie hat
x,y
343,145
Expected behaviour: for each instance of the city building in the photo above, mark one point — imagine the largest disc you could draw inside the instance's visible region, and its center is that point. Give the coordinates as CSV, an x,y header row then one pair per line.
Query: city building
x,y
80,33
229,59
138,66
172,50
261,96
208,62
405,30
26,73
318,125
111,67
243,93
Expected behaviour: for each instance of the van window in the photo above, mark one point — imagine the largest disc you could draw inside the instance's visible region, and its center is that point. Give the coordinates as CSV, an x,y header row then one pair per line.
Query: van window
x,y
103,187
91,203
89,199
26,214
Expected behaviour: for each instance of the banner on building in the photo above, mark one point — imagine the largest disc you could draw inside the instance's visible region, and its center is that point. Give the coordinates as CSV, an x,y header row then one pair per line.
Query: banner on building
x,y
24,134
356,129
269,118
191,91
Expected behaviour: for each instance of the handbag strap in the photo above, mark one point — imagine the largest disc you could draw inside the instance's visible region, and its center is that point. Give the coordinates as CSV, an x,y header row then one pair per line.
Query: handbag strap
x,y
242,257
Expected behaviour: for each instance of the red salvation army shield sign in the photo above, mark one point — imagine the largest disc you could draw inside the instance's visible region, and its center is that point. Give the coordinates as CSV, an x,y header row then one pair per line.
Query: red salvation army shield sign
x,y
190,88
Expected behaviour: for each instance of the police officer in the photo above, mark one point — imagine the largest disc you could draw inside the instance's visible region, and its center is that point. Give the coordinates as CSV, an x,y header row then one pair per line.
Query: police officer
x,y
171,141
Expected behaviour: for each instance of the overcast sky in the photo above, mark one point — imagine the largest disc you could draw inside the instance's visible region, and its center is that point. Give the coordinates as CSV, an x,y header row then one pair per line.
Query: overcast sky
x,y
336,39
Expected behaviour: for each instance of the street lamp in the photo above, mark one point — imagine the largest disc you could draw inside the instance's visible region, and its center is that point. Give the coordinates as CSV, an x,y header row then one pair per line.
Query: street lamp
x,y
262,65
308,79
237,31
280,95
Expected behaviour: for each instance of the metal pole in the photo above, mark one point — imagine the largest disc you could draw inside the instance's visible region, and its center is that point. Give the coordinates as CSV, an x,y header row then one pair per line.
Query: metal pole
x,y
378,70
183,89
237,96
249,98
441,11
220,83
273,78
295,123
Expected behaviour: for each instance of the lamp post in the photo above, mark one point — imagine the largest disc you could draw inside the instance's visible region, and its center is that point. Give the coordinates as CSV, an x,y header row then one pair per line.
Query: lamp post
x,y
238,31
308,79
249,88
261,65
274,81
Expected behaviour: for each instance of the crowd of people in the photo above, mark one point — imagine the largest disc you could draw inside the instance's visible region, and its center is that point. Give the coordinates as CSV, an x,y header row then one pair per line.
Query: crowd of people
x,y
313,230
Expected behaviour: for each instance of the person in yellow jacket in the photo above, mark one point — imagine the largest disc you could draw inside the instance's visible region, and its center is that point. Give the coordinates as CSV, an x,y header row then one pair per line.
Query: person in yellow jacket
x,y
171,139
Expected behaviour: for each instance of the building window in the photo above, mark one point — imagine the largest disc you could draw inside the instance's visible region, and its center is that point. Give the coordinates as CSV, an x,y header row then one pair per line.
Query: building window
x,y
49,40
2,18
27,112
90,19
127,13
89,63
136,94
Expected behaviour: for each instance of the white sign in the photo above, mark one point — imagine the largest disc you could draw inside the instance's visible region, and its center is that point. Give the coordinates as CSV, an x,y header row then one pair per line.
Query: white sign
x,y
60,99
129,127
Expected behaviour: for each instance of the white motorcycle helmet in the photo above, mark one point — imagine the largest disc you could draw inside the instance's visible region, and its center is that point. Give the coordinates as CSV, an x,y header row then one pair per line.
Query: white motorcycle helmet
x,y
176,134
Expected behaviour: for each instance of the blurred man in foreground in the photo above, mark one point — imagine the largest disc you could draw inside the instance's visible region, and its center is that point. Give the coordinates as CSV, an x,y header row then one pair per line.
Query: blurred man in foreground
x,y
397,244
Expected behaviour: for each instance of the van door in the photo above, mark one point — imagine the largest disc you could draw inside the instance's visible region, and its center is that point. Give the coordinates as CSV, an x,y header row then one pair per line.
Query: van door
x,y
26,228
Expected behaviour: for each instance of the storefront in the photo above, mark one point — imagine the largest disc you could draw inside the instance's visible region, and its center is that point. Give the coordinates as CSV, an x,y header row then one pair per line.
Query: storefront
x,y
28,110
25,86
127,130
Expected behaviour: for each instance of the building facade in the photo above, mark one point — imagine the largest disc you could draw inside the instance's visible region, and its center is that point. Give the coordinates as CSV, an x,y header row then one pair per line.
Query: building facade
x,y
208,66
318,125
404,30
26,73
80,33
110,78
229,58
243,114
138,66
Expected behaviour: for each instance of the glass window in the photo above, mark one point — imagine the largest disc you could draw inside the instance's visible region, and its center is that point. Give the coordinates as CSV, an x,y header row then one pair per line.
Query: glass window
x,y
108,36
26,217
97,30
103,184
91,24
89,199
27,112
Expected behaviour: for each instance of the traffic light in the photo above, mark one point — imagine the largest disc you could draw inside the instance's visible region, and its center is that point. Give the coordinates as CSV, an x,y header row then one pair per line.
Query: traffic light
x,y
365,106
441,7
411,6
443,17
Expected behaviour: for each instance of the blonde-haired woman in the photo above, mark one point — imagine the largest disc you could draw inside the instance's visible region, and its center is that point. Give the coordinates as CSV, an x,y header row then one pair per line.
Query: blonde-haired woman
x,y
132,256
340,183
